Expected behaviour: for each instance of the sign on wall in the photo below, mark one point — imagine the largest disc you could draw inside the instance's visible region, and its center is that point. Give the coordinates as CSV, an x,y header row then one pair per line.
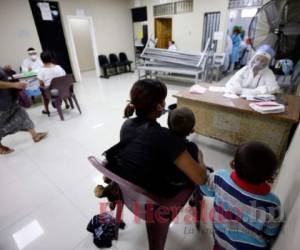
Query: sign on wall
x,y
244,3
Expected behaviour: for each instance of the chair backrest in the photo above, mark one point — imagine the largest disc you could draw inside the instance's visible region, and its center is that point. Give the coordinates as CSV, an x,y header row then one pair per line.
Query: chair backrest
x,y
102,60
219,59
64,85
123,57
113,58
136,197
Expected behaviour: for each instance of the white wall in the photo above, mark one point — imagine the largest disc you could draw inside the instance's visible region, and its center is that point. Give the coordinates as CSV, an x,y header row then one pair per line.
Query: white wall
x,y
187,27
18,32
288,190
112,22
83,43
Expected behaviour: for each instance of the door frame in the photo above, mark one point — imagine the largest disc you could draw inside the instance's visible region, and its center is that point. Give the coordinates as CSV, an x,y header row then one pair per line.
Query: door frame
x,y
161,18
73,52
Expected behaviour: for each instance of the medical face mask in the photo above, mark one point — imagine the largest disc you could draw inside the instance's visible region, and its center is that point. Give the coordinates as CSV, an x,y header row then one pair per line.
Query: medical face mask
x,y
258,65
33,57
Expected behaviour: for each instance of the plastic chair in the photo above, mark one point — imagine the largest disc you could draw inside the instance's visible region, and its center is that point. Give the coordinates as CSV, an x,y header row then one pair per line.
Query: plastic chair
x,y
104,65
114,60
147,206
124,61
63,86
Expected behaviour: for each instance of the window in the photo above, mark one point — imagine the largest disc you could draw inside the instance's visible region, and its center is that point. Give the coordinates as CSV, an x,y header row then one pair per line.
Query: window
x,y
244,3
184,7
210,26
249,12
169,9
164,9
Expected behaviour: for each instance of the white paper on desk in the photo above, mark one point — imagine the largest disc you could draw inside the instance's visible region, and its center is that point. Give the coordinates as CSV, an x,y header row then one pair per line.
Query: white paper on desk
x,y
217,89
45,11
197,89
231,96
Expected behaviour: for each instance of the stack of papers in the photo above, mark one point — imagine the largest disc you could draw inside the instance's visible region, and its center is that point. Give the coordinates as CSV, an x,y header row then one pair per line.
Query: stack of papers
x,y
197,89
267,107
217,89
259,97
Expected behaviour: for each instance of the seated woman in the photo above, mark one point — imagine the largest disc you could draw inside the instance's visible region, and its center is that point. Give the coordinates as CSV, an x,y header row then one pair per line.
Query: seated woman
x,y
49,71
147,153
255,78
13,117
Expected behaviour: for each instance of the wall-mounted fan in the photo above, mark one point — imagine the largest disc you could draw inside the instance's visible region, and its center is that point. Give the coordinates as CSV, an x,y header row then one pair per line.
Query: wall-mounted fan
x,y
277,23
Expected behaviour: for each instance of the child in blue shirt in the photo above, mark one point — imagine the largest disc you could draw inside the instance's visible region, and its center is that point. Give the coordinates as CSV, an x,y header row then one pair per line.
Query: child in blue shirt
x,y
246,214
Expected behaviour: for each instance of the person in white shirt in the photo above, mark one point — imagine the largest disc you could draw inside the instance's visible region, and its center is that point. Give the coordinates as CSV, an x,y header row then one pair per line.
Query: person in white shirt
x,y
228,51
172,46
32,62
49,71
255,78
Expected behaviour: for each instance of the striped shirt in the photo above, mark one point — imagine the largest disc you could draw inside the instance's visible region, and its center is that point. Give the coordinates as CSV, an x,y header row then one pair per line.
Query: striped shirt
x,y
246,216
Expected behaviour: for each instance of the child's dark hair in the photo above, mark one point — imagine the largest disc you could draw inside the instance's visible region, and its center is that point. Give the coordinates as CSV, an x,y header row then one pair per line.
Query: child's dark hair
x,y
182,121
47,57
145,95
255,163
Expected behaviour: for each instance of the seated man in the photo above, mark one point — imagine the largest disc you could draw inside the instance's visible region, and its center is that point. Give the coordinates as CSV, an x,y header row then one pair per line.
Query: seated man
x,y
255,78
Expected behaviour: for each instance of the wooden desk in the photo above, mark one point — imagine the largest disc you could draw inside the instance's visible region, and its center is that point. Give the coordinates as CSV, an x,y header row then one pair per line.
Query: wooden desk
x,y
234,122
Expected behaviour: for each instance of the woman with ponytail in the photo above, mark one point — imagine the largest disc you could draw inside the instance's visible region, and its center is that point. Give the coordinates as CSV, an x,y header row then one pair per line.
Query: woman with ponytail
x,y
148,153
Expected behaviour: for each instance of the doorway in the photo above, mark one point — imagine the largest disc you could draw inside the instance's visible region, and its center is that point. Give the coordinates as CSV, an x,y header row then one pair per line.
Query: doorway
x,y
241,18
47,18
83,44
163,32
140,30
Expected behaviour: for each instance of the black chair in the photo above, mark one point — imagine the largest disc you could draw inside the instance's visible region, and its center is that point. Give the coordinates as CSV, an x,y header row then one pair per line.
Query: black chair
x,y
105,65
125,62
114,60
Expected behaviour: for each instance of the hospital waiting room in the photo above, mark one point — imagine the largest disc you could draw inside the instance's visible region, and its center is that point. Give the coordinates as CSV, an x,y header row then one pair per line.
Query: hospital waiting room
x,y
149,124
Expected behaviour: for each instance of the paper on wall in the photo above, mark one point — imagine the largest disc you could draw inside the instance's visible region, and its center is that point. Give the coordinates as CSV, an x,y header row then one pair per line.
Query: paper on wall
x,y
45,11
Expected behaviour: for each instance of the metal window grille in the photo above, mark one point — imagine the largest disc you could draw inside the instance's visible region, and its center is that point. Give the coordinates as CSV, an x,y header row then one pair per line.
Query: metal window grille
x,y
164,9
173,8
210,26
233,4
183,6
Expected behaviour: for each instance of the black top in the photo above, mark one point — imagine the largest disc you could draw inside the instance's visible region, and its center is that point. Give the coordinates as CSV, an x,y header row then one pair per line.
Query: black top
x,y
146,156
7,96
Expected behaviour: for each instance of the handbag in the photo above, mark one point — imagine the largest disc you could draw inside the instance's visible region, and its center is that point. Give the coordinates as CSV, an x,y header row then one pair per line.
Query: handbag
x,y
23,99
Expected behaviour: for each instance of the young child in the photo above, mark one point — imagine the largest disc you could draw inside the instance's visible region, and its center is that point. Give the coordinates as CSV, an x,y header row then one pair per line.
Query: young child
x,y
147,153
246,213
182,122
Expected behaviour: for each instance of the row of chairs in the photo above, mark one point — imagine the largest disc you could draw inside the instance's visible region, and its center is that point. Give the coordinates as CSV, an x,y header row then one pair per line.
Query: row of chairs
x,y
114,65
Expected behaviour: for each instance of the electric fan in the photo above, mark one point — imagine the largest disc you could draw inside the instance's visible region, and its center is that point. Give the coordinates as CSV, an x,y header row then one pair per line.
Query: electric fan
x,y
277,23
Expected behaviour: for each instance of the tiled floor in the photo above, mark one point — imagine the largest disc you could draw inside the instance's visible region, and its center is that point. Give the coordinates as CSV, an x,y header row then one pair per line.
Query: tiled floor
x,y
46,189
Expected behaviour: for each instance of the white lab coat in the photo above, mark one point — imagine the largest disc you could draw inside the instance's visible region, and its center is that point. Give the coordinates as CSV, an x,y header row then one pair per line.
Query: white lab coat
x,y
172,48
34,65
228,50
244,82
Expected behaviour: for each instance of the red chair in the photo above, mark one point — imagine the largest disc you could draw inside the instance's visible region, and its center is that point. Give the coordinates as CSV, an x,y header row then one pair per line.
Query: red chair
x,y
147,206
65,90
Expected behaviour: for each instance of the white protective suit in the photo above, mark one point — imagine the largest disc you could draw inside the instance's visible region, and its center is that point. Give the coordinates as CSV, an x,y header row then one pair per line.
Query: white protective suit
x,y
33,65
245,83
